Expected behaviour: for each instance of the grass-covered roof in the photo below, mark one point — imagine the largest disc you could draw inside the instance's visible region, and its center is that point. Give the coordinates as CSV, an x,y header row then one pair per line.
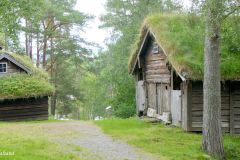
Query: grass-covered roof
x,y
34,84
182,39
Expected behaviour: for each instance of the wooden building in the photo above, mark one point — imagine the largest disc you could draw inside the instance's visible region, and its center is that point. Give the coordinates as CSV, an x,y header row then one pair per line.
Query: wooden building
x,y
169,75
24,89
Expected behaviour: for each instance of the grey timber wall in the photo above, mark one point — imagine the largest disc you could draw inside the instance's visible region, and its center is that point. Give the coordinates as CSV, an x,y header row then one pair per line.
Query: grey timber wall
x,y
230,107
24,109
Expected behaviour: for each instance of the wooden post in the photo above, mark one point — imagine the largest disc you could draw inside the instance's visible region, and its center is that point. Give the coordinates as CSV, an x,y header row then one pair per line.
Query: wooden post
x,y
231,109
189,105
171,78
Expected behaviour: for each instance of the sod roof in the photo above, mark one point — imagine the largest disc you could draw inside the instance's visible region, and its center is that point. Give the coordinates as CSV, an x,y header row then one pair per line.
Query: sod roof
x,y
33,84
182,39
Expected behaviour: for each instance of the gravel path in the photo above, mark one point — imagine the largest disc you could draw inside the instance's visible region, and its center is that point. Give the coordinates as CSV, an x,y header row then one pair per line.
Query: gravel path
x,y
90,143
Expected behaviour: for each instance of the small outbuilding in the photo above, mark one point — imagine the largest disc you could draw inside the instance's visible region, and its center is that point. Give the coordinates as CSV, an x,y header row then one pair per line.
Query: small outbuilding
x,y
24,89
167,63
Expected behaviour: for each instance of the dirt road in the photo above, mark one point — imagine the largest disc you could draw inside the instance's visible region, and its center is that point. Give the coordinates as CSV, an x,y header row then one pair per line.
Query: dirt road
x,y
90,143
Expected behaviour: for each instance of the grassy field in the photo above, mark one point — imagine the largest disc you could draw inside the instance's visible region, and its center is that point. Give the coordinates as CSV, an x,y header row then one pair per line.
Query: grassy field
x,y
165,141
32,141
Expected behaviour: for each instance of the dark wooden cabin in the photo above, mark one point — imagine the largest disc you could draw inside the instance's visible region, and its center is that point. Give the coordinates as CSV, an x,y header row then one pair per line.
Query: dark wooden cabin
x,y
18,106
165,88
24,109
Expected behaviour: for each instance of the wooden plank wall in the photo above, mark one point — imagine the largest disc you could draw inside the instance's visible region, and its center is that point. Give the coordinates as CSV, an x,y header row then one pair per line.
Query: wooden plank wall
x,y
24,109
152,95
197,107
235,108
156,68
157,75
11,68
140,96
186,88
176,107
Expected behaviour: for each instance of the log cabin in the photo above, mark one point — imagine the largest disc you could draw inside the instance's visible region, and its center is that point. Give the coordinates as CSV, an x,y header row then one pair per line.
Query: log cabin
x,y
24,89
167,63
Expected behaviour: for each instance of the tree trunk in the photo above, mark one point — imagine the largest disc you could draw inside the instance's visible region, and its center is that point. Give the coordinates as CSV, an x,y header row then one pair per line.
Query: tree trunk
x,y
44,50
26,36
53,98
30,41
212,135
38,51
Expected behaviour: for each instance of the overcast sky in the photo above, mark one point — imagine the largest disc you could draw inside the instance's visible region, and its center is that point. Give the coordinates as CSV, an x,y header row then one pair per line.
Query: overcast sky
x,y
96,8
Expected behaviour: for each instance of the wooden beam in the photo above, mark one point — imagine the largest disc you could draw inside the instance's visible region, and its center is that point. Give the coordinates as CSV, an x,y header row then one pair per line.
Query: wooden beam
x,y
140,50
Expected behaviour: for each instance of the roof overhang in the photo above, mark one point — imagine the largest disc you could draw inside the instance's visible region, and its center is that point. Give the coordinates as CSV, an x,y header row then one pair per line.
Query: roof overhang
x,y
143,43
146,36
11,59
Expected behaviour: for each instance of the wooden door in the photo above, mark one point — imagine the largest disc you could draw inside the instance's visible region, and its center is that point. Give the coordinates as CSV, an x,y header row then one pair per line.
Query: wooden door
x,y
152,96
163,98
140,98
176,107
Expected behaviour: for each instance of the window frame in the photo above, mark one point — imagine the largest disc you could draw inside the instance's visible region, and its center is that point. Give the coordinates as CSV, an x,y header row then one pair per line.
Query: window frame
x,y
6,66
155,48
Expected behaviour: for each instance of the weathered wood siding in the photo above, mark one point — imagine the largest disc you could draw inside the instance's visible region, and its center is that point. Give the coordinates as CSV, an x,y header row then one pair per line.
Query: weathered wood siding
x,y
235,108
157,77
156,69
229,99
186,88
24,109
11,68
140,97
176,107
152,95
163,98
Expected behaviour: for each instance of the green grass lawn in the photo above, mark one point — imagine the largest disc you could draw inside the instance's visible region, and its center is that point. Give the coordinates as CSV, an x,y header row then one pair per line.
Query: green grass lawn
x,y
165,141
30,141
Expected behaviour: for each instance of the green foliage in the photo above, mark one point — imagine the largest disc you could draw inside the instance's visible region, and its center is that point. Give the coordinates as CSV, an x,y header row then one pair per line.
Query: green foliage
x,y
25,85
125,111
182,38
167,142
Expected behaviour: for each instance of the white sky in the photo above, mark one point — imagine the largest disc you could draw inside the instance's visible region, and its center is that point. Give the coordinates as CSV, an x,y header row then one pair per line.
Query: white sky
x,y
96,8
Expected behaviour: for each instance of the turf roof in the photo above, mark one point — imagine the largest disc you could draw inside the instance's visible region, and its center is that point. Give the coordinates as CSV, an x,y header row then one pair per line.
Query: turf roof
x,y
25,85
182,39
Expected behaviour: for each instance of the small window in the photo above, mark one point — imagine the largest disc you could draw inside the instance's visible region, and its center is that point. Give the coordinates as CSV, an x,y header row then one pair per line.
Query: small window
x,y
3,67
155,48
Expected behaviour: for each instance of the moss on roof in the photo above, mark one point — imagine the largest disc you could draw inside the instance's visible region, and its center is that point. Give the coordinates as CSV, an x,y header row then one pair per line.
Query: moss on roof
x,y
15,86
182,38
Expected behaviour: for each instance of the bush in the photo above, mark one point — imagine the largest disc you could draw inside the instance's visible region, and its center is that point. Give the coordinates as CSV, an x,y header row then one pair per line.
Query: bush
x,y
124,111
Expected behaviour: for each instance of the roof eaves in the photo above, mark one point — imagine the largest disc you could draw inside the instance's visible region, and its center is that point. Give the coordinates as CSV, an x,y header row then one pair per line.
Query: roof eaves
x,y
140,50
182,77
10,58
